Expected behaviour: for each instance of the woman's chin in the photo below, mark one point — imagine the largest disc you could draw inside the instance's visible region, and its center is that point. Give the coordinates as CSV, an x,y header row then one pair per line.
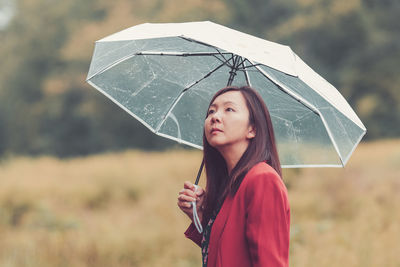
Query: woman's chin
x,y
217,144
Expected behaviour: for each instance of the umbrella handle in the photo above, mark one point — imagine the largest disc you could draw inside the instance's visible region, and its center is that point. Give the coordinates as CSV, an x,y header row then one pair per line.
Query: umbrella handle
x,y
196,218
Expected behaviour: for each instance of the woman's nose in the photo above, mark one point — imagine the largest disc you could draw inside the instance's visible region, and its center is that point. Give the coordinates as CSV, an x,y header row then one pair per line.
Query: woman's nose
x,y
215,117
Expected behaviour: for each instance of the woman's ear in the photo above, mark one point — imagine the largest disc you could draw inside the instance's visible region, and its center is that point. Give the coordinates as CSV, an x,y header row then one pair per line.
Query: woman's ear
x,y
252,132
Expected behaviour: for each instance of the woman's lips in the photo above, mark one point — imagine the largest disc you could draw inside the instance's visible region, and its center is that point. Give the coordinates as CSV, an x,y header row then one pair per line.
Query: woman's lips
x,y
215,130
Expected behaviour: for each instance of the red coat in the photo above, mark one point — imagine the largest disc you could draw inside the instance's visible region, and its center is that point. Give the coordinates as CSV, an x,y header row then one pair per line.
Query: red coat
x,y
252,228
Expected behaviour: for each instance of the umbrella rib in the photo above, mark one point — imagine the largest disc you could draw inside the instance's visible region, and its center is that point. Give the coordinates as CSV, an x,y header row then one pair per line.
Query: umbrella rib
x,y
208,45
306,104
195,41
246,74
353,148
242,67
183,54
289,92
222,54
224,61
241,63
251,66
157,53
183,92
109,66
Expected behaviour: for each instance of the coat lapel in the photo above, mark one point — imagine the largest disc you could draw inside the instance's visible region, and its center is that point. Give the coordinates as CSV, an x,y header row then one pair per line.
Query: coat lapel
x,y
217,230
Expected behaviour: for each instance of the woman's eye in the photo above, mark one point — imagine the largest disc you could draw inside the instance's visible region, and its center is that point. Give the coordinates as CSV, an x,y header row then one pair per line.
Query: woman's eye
x,y
211,111
229,109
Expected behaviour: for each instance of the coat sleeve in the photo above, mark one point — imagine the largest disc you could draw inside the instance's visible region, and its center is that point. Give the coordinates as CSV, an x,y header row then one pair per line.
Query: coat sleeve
x,y
267,220
193,234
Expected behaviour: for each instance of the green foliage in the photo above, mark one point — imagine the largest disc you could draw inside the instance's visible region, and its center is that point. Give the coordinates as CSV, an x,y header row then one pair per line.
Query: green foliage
x,y
46,106
255,16
38,121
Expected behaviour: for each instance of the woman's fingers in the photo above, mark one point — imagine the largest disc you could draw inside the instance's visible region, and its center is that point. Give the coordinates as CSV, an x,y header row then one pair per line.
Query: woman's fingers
x,y
189,185
199,192
188,192
185,206
186,198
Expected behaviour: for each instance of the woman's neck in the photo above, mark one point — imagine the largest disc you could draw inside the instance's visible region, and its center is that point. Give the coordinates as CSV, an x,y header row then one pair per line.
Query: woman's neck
x,y
232,154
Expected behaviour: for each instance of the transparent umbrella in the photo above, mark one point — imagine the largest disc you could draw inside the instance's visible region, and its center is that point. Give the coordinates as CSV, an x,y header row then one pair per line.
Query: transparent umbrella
x,y
164,75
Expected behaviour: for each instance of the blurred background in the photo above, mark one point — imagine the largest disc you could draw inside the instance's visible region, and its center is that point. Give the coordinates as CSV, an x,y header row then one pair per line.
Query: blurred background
x,y
84,184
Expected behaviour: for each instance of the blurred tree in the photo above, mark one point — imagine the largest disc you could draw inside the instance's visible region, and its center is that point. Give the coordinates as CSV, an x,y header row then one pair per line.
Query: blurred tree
x,y
31,43
47,48
3,140
372,74
257,16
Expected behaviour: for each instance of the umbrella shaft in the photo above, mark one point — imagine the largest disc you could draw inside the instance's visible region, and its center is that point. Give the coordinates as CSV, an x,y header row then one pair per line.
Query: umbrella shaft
x,y
199,173
237,61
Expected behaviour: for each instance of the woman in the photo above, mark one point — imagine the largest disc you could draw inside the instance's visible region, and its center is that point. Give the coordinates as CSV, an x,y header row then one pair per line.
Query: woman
x,y
245,210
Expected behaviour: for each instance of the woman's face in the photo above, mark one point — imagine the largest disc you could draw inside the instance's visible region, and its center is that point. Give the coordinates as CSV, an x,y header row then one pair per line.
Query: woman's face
x,y
227,121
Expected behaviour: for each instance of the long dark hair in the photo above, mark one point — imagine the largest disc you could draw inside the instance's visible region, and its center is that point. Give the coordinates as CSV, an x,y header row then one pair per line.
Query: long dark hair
x,y
261,148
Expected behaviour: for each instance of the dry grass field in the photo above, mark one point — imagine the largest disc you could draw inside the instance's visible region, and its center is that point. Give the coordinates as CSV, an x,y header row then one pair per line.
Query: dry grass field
x,y
119,209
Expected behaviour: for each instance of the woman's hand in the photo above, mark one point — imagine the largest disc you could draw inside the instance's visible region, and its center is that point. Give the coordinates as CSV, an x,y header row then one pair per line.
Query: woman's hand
x,y
187,195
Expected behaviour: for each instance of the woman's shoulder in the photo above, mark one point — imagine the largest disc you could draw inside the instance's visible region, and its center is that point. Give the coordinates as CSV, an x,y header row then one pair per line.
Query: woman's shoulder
x,y
262,170
263,175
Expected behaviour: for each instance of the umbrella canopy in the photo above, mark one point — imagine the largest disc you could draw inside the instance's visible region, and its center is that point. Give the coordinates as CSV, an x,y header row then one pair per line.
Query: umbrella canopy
x,y
165,74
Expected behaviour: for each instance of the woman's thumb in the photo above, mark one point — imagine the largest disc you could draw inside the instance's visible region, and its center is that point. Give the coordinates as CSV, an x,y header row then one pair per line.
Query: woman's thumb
x,y
199,191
